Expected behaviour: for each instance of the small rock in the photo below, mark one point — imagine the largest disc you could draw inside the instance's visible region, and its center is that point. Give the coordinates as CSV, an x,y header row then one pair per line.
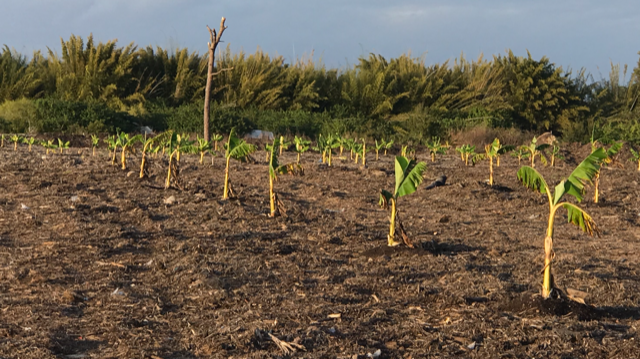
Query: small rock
x,y
75,198
375,354
118,292
24,207
170,200
472,346
131,173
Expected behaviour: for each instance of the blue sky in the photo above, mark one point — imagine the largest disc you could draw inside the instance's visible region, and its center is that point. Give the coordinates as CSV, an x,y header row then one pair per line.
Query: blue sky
x,y
572,33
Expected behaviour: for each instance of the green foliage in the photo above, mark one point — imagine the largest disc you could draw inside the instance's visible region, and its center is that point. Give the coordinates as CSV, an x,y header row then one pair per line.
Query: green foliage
x,y
98,87
408,176
572,185
18,116
237,149
274,167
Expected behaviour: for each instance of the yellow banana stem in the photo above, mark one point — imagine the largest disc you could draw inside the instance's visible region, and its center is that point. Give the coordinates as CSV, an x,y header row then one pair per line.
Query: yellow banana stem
x,y
357,155
281,142
168,182
548,253
298,161
466,159
638,165
433,157
330,152
533,160
596,184
498,161
94,152
553,160
225,194
272,197
490,171
364,153
201,157
142,163
15,146
376,154
123,158
392,224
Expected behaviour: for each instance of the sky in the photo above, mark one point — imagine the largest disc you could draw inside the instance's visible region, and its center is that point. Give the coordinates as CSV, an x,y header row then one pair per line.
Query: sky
x,y
571,33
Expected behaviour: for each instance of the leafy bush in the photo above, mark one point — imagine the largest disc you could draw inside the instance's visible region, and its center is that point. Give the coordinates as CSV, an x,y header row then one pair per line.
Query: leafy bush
x,y
18,116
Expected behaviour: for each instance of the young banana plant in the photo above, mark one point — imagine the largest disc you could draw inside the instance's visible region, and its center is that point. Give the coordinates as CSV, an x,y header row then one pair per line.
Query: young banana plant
x,y
357,149
408,178
95,141
62,145
520,153
554,153
387,146
435,148
29,141
349,144
48,145
203,146
460,150
274,170
148,146
379,146
215,139
635,157
284,144
301,146
364,153
403,150
176,145
502,150
330,144
536,150
321,145
469,152
238,150
341,142
16,139
610,154
127,144
117,142
267,151
573,186
494,150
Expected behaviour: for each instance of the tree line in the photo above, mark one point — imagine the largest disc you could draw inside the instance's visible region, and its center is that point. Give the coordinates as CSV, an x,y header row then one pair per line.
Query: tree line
x,y
102,87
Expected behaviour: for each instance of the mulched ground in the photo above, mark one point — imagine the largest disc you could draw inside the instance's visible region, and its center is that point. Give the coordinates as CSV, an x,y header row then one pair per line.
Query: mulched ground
x,y
95,264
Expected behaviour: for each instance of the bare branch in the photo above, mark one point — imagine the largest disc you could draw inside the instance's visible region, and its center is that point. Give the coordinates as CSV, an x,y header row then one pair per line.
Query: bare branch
x,y
221,71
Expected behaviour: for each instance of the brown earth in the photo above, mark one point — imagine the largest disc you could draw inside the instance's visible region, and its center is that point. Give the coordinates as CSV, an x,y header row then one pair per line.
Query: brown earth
x,y
98,266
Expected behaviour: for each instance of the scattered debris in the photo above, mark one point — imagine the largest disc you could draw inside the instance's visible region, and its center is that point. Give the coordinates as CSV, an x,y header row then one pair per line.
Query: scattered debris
x,y
286,347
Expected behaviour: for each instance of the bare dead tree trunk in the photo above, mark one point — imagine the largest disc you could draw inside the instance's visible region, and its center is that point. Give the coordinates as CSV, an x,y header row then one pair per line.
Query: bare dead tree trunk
x,y
213,44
